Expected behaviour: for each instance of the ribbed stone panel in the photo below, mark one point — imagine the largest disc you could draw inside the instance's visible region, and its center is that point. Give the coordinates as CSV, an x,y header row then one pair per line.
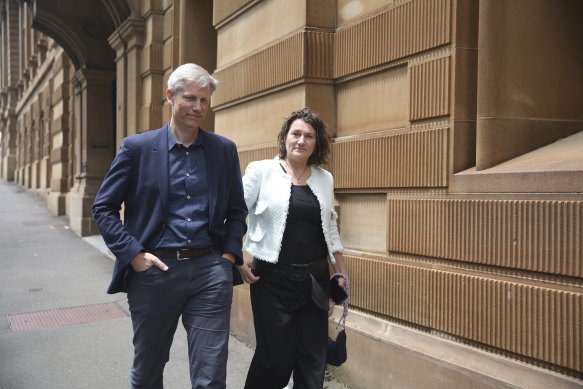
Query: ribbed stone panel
x,y
430,89
256,155
536,235
152,57
152,113
540,323
396,33
306,55
411,159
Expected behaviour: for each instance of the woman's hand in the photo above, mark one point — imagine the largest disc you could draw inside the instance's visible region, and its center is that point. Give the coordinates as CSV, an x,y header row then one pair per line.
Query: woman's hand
x,y
340,268
246,271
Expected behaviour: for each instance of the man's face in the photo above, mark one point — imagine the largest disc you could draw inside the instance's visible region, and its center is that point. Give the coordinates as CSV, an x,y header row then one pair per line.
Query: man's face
x,y
189,105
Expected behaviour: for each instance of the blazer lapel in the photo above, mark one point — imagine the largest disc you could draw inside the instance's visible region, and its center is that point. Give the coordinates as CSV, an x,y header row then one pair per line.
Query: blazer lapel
x,y
160,158
212,177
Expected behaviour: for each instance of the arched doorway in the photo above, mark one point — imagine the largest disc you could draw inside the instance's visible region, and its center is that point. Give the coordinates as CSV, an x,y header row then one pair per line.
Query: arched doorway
x,y
83,30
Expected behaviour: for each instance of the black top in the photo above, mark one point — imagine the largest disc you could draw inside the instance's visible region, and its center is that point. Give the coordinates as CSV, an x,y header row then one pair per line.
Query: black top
x,y
303,239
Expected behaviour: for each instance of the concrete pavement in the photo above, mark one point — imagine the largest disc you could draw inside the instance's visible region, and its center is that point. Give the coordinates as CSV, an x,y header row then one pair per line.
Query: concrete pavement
x,y
58,327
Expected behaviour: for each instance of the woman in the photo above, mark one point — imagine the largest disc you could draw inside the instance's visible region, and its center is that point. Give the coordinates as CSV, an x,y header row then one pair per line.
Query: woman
x,y
292,233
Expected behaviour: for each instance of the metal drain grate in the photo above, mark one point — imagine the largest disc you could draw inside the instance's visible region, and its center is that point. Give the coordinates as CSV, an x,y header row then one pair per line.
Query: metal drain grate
x,y
64,316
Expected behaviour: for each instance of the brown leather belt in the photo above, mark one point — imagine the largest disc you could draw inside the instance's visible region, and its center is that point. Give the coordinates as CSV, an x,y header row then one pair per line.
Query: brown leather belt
x,y
182,254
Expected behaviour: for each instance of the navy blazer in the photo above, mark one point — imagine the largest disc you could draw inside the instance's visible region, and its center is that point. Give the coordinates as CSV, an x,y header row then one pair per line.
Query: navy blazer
x,y
138,179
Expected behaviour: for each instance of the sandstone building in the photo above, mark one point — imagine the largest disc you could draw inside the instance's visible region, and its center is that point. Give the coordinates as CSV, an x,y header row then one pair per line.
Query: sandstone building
x,y
457,155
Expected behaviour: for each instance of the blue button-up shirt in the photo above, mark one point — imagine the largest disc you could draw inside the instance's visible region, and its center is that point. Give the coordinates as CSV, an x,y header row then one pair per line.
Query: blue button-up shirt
x,y
187,225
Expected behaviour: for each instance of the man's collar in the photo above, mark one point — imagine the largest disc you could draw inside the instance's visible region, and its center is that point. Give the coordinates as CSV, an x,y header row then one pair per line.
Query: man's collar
x,y
172,139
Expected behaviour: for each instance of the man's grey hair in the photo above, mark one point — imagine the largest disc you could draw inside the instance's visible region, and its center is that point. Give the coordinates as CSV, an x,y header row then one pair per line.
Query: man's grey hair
x,y
191,72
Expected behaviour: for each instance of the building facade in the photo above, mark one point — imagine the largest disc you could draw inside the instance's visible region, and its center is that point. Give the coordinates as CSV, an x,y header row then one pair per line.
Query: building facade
x,y
457,154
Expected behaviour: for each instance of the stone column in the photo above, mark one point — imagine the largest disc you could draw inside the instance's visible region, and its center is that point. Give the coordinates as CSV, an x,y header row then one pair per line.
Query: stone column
x,y
197,43
127,41
45,143
35,156
10,71
94,139
529,90
60,136
154,64
9,135
23,153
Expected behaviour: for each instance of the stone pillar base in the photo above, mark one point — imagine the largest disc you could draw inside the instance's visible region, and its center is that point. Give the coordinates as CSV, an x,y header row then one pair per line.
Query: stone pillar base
x,y
34,182
42,193
19,176
242,316
79,202
8,166
44,173
80,216
56,203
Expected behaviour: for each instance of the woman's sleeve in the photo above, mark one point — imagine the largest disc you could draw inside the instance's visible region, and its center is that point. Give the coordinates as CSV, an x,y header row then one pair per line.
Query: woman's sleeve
x,y
335,241
251,184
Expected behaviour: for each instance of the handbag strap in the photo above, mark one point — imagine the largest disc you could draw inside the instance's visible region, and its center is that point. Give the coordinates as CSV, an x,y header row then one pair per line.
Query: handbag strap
x,y
342,321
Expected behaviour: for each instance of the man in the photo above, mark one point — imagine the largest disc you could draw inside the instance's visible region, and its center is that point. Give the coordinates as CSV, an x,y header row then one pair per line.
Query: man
x,y
176,250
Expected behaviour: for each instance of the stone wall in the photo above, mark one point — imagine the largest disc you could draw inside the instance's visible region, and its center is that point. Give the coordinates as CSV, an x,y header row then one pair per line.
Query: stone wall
x,y
457,128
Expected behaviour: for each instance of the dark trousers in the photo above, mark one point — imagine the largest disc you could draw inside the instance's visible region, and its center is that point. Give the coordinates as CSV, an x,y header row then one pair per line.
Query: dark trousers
x,y
291,333
200,290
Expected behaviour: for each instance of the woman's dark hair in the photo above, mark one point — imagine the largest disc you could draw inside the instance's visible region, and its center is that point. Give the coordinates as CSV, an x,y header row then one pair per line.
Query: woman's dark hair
x,y
320,154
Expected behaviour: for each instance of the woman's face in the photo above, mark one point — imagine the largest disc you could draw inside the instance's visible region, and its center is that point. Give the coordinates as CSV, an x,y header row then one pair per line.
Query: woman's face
x,y
300,141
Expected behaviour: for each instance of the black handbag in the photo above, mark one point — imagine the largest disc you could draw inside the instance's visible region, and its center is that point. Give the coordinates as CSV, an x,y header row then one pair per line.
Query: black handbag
x,y
336,353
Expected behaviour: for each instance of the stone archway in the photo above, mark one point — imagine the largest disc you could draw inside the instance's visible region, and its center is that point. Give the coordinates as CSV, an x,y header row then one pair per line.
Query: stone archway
x,y
82,29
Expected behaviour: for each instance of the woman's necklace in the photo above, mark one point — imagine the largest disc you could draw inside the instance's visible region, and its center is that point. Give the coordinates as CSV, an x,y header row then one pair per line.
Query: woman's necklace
x,y
290,170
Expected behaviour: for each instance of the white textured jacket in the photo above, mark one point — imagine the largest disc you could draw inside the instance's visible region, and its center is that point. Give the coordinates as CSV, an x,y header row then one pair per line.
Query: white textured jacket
x,y
267,193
